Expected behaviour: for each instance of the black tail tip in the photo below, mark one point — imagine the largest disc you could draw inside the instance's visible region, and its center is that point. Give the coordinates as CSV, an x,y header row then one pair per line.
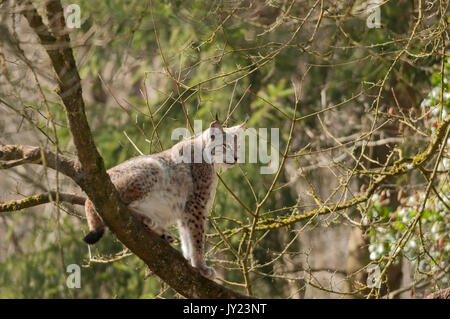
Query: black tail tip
x,y
93,236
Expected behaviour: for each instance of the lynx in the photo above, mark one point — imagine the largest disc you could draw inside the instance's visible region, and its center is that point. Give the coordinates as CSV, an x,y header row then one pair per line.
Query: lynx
x,y
174,186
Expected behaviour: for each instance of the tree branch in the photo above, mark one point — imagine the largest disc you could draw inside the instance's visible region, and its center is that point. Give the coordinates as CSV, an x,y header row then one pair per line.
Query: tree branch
x,y
15,155
400,167
40,199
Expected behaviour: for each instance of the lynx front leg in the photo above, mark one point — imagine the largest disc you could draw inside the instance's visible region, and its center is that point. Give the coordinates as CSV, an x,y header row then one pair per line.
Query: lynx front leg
x,y
184,239
195,241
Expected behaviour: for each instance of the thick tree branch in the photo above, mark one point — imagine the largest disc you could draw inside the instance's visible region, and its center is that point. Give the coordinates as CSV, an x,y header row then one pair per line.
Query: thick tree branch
x,y
161,258
15,155
41,199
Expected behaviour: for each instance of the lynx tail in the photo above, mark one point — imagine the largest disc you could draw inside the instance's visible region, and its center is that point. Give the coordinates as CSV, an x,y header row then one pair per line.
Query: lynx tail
x,y
96,226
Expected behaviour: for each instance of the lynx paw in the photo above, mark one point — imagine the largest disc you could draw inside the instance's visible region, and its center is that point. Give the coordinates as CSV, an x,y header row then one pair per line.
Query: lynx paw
x,y
207,272
168,236
150,223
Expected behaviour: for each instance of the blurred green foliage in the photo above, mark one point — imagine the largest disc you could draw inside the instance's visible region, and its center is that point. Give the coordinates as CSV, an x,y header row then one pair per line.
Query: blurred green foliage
x,y
429,247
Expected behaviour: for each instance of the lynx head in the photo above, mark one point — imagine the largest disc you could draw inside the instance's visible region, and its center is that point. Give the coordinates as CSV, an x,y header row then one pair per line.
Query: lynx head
x,y
223,144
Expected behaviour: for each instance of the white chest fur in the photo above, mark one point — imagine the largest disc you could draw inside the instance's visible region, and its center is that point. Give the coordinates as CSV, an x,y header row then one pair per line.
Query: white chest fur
x,y
165,202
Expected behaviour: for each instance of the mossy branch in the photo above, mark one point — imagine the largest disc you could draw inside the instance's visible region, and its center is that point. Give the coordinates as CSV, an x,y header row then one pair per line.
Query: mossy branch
x,y
400,167
40,199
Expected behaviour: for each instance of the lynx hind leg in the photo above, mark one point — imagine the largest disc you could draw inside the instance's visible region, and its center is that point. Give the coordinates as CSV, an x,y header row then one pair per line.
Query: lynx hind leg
x,y
151,224
95,223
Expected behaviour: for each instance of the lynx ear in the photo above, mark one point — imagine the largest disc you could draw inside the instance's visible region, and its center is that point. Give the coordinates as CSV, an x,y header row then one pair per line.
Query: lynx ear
x,y
245,121
216,123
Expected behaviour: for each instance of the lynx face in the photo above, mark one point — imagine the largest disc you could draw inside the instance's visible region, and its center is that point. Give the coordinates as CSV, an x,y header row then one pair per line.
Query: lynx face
x,y
223,144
